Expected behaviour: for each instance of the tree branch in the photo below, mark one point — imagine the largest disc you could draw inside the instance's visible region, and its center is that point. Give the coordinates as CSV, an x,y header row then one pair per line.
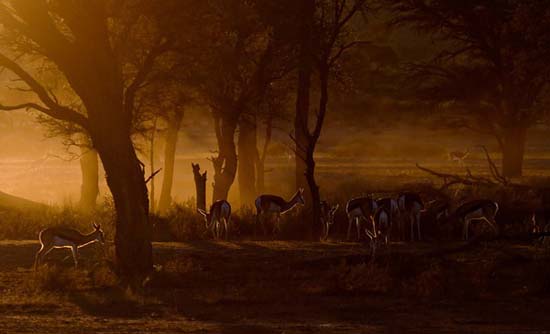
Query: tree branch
x,y
141,75
52,109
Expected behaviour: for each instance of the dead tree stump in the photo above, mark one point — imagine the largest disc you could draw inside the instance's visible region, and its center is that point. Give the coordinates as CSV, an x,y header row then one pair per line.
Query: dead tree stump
x,y
200,185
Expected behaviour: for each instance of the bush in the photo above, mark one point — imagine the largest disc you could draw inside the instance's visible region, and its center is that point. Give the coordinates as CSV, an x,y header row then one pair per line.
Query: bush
x,y
54,278
360,278
182,223
26,224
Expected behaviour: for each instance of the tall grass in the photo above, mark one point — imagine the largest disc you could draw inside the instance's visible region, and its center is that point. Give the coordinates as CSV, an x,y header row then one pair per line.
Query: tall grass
x,y
183,223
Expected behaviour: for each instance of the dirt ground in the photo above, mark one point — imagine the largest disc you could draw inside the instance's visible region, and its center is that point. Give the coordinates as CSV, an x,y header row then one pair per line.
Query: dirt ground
x,y
288,287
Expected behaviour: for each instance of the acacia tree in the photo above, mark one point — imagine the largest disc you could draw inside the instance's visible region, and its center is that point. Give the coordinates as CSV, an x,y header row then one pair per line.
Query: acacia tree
x,y
326,33
162,105
492,64
72,136
230,56
79,37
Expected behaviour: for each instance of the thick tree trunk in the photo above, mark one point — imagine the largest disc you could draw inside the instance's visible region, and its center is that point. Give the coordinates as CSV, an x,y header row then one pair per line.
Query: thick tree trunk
x,y
225,164
248,157
89,166
174,125
513,150
125,178
200,186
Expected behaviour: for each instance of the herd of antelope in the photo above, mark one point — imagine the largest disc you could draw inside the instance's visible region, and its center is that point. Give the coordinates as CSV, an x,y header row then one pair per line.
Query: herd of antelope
x,y
376,220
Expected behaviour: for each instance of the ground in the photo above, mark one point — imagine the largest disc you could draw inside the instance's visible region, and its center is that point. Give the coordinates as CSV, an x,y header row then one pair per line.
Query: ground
x,y
285,287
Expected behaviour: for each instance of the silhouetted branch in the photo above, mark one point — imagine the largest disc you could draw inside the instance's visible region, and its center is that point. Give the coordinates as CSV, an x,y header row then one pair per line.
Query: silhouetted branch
x,y
52,109
152,175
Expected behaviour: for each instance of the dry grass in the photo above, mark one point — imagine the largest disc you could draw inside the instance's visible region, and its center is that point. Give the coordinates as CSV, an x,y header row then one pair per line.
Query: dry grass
x,y
273,285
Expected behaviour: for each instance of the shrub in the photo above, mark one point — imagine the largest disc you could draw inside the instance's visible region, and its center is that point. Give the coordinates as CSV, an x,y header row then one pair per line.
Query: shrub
x,y
54,278
360,278
183,223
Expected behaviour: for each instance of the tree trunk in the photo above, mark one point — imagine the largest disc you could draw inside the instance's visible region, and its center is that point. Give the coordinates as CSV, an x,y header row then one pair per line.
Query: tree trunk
x,y
513,150
200,186
152,165
174,125
260,164
125,178
316,226
248,157
315,222
301,120
305,68
89,166
225,164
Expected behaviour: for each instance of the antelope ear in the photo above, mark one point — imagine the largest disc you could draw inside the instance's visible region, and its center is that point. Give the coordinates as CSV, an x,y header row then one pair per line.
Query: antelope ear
x,y
301,190
202,212
95,226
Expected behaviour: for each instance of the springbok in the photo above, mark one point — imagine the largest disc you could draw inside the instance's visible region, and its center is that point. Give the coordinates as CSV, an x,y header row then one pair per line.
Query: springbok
x,y
383,222
392,206
459,156
61,237
410,205
359,209
218,219
480,210
327,217
274,205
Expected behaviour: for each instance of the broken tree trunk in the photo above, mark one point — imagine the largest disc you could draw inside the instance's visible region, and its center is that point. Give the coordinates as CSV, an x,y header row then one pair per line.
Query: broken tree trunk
x,y
200,186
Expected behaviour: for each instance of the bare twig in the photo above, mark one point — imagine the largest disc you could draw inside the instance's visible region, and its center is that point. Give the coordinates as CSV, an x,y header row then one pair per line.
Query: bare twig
x,y
152,175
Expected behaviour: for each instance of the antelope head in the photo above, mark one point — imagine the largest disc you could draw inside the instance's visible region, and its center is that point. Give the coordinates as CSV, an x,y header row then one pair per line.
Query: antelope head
x,y
98,232
207,216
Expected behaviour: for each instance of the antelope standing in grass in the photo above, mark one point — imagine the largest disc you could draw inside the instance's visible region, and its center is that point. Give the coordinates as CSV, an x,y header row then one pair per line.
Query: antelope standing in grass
x,y
271,205
218,219
383,223
477,210
392,206
459,156
61,237
358,210
327,217
410,205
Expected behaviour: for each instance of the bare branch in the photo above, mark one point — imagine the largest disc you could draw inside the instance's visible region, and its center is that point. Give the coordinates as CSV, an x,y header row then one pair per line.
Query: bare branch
x,y
142,75
52,109
152,175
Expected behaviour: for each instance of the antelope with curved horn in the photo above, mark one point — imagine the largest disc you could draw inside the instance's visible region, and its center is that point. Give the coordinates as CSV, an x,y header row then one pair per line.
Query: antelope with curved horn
x,y
272,205
480,210
218,220
62,237
459,156
358,210
327,217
